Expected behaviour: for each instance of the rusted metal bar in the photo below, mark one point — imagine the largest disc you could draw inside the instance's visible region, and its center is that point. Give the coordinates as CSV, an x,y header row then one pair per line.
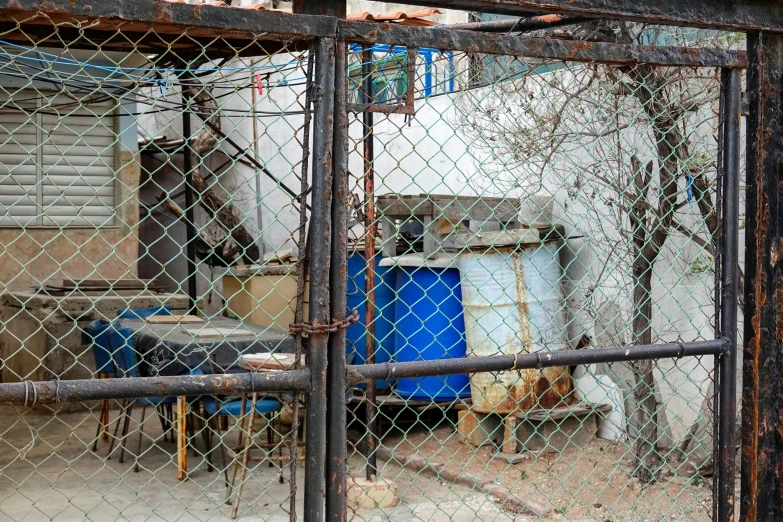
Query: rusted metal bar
x,y
443,38
497,363
762,375
102,21
729,288
368,141
381,109
336,436
303,268
30,393
535,23
320,254
162,17
713,14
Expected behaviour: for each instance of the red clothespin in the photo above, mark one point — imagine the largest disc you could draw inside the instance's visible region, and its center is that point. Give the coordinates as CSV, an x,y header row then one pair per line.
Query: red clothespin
x,y
259,84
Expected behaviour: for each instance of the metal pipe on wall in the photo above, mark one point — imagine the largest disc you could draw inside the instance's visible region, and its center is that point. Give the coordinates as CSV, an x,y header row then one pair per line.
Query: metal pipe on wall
x,y
30,393
190,222
521,25
48,392
762,363
729,285
320,254
368,140
336,435
495,363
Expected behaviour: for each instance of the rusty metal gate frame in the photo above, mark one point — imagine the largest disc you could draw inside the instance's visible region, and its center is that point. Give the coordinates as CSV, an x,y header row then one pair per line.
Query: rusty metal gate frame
x,y
327,377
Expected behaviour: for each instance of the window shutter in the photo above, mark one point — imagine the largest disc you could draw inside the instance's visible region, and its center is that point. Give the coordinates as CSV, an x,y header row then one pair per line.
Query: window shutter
x,y
78,165
57,165
19,181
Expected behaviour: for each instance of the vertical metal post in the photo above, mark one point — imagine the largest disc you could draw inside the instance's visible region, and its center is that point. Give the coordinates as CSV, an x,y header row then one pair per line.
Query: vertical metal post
x,y
369,252
762,376
729,233
190,223
320,253
336,436
302,270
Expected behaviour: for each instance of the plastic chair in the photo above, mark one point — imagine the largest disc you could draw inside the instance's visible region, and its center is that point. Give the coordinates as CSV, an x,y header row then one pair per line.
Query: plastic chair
x,y
97,335
266,407
126,364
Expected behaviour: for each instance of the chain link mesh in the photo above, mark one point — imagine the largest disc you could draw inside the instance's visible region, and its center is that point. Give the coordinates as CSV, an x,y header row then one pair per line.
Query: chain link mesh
x,y
155,204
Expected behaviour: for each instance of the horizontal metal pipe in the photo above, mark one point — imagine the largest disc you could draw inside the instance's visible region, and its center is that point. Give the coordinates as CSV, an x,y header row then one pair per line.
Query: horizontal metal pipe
x,y
520,25
734,15
30,393
445,38
519,361
208,21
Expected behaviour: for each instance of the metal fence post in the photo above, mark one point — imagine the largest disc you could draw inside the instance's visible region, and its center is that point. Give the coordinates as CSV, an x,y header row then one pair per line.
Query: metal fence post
x,y
762,394
729,287
321,233
336,436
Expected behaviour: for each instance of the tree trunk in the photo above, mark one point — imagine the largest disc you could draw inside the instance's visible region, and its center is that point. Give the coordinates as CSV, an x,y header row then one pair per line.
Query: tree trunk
x,y
648,461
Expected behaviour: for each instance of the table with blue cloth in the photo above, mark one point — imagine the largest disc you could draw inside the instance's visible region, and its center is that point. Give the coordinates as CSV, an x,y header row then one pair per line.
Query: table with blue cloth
x,y
167,349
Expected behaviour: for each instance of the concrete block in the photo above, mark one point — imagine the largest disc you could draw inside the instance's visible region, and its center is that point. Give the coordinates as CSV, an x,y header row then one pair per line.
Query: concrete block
x,y
556,434
363,493
479,429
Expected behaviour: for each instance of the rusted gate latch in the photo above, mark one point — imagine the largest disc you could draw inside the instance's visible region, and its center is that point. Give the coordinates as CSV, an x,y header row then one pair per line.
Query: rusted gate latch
x,y
324,328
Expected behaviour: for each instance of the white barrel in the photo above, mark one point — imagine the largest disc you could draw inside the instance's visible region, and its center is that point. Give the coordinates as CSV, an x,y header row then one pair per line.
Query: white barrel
x,y
513,302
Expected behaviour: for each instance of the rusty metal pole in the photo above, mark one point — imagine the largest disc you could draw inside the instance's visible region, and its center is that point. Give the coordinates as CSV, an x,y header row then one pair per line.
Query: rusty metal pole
x,y
369,255
336,435
320,254
762,394
729,232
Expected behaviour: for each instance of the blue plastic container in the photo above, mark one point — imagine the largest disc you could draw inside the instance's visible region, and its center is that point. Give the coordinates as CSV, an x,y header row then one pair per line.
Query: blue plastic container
x,y
430,326
356,347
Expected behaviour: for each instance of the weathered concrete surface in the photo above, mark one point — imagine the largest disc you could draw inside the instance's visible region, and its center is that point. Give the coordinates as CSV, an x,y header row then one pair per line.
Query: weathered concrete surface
x,y
61,479
32,256
41,336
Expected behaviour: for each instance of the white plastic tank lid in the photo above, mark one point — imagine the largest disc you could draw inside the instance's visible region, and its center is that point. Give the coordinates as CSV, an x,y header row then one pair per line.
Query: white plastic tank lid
x,y
439,260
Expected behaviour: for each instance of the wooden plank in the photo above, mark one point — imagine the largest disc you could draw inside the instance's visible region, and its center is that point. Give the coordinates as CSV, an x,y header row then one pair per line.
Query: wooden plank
x,y
125,284
475,209
389,232
431,239
216,333
510,442
405,208
173,319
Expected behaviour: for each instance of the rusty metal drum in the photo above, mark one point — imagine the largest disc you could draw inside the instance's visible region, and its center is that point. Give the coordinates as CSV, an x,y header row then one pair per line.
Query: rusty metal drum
x,y
513,303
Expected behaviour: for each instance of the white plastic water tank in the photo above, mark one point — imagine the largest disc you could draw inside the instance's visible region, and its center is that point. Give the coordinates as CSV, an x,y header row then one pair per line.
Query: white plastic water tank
x,y
513,302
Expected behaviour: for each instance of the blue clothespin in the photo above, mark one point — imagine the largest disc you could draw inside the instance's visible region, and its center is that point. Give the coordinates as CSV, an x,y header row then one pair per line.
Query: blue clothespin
x,y
162,85
689,187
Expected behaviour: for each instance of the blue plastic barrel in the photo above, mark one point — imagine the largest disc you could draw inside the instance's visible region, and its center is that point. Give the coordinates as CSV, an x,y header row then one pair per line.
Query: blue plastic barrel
x,y
356,347
430,326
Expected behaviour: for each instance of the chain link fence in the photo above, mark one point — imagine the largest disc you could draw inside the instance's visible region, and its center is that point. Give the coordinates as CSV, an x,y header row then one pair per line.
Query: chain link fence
x,y
514,213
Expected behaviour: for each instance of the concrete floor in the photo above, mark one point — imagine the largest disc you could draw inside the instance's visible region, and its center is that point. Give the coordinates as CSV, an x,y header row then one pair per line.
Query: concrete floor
x,y
48,472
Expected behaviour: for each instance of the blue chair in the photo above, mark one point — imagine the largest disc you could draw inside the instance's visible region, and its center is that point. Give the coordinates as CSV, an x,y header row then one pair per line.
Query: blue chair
x,y
126,364
97,335
216,408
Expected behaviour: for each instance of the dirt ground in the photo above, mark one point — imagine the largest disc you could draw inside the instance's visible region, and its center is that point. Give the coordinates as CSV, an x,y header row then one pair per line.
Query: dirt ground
x,y
48,472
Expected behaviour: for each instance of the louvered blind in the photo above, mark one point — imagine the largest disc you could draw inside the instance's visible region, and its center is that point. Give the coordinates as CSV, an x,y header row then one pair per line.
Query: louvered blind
x,y
57,163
